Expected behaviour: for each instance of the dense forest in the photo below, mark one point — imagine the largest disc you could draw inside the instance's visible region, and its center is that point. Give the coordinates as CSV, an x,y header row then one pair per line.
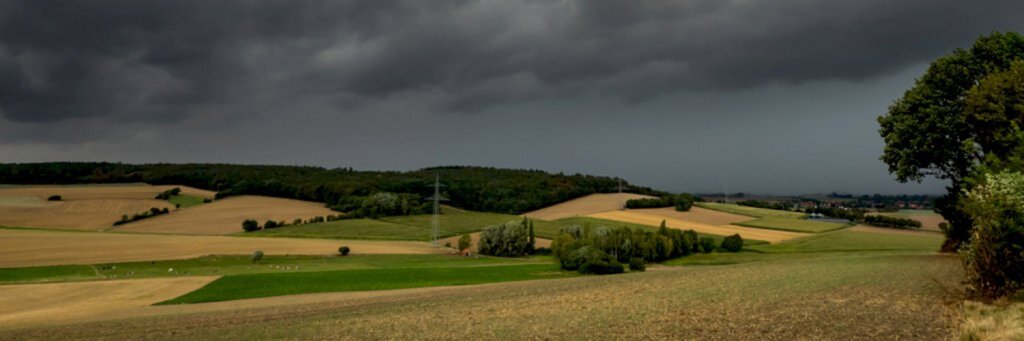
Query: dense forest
x,y
474,188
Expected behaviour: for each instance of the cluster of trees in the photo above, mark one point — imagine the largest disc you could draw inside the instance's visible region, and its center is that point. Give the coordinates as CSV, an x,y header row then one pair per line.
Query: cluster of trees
x,y
764,204
485,189
383,204
153,211
168,193
54,198
682,202
511,239
851,214
602,250
891,222
962,122
251,225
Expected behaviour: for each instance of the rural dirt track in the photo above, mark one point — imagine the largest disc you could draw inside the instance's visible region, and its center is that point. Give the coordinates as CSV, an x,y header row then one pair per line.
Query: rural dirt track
x,y
34,304
880,297
90,207
654,219
225,216
590,204
19,248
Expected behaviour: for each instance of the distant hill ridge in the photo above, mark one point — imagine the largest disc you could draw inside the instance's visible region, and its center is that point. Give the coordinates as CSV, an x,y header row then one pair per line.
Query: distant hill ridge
x,y
475,188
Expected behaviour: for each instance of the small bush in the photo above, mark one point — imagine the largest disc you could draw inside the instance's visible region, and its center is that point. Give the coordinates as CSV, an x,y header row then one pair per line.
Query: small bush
x,y
464,242
207,200
297,221
270,224
707,244
733,243
542,251
257,256
344,250
250,225
637,264
54,198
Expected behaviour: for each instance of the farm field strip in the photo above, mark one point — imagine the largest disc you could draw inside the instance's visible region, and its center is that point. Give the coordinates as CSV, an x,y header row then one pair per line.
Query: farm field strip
x,y
749,211
594,203
20,248
34,304
633,216
225,216
794,225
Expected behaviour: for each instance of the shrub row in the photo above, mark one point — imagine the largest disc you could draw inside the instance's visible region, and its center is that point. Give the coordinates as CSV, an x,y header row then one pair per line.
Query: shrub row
x,y
168,193
891,222
682,202
851,214
139,216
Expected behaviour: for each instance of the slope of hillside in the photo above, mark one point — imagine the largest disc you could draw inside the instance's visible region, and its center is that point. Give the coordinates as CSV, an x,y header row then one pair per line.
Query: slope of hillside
x,y
225,216
85,207
594,203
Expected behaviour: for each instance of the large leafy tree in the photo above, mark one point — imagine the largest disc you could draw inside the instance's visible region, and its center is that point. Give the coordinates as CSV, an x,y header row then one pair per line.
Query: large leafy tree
x,y
929,131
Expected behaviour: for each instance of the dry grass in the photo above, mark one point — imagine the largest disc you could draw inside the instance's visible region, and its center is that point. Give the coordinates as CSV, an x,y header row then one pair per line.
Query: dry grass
x,y
19,248
992,322
594,203
848,298
643,218
35,304
82,207
696,215
225,216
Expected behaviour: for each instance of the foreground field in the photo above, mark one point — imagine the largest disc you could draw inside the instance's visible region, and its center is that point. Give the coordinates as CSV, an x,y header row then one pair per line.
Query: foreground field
x,y
38,247
639,217
84,207
845,296
594,203
225,216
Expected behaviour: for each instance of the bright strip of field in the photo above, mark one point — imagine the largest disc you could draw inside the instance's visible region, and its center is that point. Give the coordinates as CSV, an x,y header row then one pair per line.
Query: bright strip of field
x,y
793,225
579,207
279,284
225,216
20,248
414,227
636,217
749,211
29,304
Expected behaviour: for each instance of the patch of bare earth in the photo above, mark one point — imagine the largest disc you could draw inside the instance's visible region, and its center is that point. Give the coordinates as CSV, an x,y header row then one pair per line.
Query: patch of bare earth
x,y
89,207
19,248
654,218
590,204
879,297
225,216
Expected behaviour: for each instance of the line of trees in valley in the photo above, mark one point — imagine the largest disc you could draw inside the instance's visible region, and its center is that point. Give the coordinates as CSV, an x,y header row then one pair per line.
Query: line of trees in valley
x,y
682,202
485,189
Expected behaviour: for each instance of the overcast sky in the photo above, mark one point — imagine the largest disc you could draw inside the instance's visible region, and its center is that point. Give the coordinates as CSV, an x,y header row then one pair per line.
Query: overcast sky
x,y
766,96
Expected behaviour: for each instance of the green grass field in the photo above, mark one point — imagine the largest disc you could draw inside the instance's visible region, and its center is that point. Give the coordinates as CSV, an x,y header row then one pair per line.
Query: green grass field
x,y
277,284
185,201
846,241
221,265
794,225
749,211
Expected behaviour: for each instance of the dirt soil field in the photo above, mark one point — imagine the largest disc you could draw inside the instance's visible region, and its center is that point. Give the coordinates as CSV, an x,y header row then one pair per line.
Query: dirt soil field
x,y
82,207
594,203
654,219
34,304
475,240
867,298
225,216
19,248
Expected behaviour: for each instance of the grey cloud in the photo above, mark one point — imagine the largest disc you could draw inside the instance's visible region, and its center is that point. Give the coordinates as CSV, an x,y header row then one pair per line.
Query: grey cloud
x,y
163,61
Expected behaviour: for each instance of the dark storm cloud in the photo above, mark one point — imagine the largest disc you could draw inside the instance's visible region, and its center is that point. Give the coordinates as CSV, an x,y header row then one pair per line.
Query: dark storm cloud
x,y
164,61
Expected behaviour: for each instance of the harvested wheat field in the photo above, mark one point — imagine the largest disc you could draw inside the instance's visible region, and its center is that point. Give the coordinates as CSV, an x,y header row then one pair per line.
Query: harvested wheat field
x,y
594,203
845,297
84,207
696,215
639,217
475,240
34,304
20,248
225,216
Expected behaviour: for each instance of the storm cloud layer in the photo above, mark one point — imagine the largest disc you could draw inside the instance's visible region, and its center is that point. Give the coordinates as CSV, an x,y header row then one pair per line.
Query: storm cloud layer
x,y
78,75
